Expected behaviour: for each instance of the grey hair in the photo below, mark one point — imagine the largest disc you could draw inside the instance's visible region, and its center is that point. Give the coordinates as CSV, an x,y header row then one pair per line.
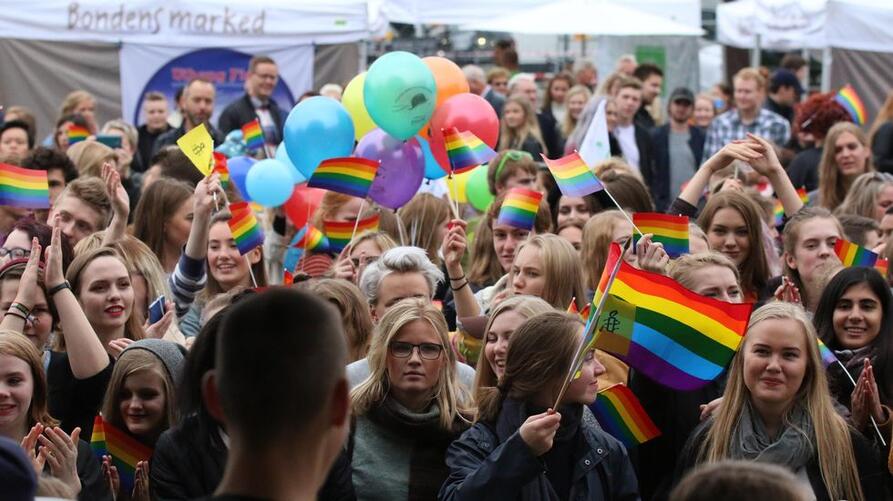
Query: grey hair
x,y
398,260
474,73
517,78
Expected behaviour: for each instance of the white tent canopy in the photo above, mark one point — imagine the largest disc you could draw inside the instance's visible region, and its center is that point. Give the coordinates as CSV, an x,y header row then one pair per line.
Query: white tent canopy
x,y
452,12
590,17
860,25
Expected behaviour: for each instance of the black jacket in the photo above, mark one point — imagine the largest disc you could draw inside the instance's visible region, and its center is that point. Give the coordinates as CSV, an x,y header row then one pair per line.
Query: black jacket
x,y
646,156
871,475
492,462
882,147
495,100
660,182
551,137
241,111
170,137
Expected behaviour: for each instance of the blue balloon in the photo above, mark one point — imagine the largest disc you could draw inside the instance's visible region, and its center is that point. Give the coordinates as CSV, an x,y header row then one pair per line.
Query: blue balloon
x,y
400,94
269,183
238,170
432,168
282,156
317,129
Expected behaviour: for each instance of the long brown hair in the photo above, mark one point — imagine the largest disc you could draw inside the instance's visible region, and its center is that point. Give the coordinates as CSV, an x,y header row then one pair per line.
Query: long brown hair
x,y
833,445
129,363
421,218
754,269
15,344
598,233
539,356
513,139
156,207
832,187
213,287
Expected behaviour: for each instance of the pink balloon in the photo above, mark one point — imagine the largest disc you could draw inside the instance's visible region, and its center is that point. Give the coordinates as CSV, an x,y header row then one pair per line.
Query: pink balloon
x,y
466,112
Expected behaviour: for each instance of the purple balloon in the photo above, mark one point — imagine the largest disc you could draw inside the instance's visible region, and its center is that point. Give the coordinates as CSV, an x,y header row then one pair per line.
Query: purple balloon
x,y
401,171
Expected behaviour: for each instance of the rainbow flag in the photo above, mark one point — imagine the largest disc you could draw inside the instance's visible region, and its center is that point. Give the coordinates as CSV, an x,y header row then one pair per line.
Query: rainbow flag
x,y
465,150
26,188
125,450
340,233
253,135
803,194
619,412
778,211
828,357
310,239
519,208
852,103
221,168
882,265
352,175
573,175
671,231
287,278
672,335
851,254
244,227
76,134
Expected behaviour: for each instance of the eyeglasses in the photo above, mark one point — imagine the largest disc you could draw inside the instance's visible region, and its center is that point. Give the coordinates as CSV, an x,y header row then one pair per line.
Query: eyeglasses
x,y
15,252
428,351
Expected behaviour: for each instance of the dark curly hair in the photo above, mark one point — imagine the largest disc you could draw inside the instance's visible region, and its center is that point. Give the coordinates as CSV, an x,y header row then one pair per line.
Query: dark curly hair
x,y
42,158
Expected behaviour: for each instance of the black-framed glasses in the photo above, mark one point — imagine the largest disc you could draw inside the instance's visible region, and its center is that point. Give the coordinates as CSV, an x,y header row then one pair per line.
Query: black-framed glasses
x,y
428,351
15,252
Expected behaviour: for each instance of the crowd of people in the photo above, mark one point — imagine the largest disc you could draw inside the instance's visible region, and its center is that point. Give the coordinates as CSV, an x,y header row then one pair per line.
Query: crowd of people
x,y
425,359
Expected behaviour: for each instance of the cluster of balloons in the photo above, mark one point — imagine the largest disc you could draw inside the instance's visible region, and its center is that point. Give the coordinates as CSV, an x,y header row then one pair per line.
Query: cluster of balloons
x,y
395,113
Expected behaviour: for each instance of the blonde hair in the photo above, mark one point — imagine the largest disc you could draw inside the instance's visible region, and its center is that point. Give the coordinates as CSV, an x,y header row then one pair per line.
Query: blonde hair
x,y
15,344
422,218
129,363
89,156
330,204
129,131
380,238
861,199
513,139
447,392
598,233
832,437
682,268
73,99
832,186
354,309
751,74
561,270
569,123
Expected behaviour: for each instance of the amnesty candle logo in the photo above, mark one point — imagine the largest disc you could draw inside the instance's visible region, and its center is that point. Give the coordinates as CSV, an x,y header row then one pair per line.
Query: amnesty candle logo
x,y
615,326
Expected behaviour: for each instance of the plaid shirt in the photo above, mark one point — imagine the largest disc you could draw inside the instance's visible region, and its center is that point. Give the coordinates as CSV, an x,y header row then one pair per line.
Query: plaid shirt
x,y
728,127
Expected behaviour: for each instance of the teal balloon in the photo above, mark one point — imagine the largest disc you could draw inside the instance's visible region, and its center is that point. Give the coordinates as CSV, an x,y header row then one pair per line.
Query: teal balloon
x,y
269,183
400,94
282,156
432,168
477,190
317,129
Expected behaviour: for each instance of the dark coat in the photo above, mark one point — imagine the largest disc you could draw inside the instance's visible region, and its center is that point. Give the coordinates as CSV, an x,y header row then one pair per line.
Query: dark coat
x,y
496,101
241,111
646,156
170,137
492,462
660,183
551,136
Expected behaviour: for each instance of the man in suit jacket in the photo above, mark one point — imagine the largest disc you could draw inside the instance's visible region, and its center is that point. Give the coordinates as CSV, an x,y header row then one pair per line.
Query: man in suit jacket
x,y
477,84
198,105
257,102
678,148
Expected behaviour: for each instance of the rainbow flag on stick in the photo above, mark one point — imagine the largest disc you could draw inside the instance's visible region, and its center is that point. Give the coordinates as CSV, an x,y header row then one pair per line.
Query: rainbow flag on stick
x,y
465,150
619,412
244,227
221,168
253,135
828,357
852,103
76,134
882,265
125,450
851,254
25,188
352,175
519,208
310,239
672,335
803,194
340,233
671,231
778,212
573,175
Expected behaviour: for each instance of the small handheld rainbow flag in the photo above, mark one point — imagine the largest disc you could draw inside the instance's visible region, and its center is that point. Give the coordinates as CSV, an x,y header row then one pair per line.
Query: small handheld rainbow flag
x,y
221,169
519,208
288,278
351,175
671,231
26,188
852,103
125,450
76,134
340,233
803,194
828,357
465,150
244,227
573,175
778,212
253,135
851,254
310,239
619,412
882,266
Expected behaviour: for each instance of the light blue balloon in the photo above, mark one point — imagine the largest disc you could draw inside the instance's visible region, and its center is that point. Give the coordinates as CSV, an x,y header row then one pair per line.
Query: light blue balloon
x,y
269,183
282,156
400,94
317,129
432,168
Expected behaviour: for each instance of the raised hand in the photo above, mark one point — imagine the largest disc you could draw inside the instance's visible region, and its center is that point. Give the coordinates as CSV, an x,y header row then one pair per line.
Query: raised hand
x,y
865,400
62,455
116,346
29,443
159,328
454,244
651,256
110,472
118,195
538,431
53,271
141,482
767,164
29,292
204,200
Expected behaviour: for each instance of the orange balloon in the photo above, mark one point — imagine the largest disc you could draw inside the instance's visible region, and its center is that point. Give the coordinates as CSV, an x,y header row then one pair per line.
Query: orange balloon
x,y
448,76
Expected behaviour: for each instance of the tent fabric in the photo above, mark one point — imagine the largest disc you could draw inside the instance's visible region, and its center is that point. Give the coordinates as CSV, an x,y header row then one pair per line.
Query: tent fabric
x,y
454,12
863,25
781,24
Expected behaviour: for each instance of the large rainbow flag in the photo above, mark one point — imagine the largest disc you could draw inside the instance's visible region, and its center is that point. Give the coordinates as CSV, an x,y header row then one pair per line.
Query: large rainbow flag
x,y
672,335
573,176
125,450
351,175
244,226
26,188
852,103
465,151
340,233
619,412
671,231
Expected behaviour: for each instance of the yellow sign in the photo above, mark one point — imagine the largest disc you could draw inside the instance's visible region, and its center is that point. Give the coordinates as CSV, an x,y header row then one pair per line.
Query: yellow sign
x,y
198,146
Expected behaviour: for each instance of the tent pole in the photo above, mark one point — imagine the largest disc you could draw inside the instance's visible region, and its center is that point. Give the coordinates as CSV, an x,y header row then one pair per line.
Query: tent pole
x,y
364,55
827,61
755,53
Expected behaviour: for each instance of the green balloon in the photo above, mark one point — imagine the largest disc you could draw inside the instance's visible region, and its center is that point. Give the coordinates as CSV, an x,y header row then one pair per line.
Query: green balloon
x,y
477,190
400,94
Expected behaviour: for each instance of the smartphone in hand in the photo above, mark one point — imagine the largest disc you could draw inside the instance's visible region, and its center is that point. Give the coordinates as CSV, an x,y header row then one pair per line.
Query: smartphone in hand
x,y
156,310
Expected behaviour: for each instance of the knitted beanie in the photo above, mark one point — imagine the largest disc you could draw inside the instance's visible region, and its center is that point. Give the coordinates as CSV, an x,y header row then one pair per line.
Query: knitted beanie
x,y
172,355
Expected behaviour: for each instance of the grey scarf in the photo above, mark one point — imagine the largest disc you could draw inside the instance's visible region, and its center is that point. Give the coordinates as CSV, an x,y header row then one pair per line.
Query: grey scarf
x,y
794,447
